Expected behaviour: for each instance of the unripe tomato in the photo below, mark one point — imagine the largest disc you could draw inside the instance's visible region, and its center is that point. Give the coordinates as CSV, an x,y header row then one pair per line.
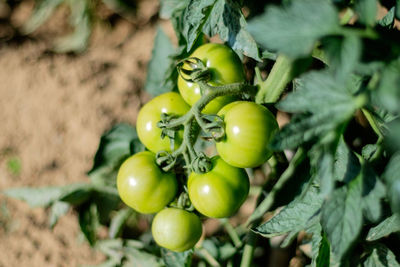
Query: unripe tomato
x,y
143,186
220,192
225,67
176,229
146,125
249,128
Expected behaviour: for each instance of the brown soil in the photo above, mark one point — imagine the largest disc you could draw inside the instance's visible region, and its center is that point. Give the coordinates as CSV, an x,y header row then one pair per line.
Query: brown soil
x,y
53,110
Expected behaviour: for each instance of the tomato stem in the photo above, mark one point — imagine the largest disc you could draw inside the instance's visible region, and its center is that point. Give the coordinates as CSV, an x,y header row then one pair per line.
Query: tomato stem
x,y
281,74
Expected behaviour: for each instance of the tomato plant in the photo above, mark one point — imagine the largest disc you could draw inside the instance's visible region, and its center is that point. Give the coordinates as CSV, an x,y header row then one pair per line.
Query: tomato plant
x,y
225,67
249,128
327,179
220,192
143,186
146,125
176,229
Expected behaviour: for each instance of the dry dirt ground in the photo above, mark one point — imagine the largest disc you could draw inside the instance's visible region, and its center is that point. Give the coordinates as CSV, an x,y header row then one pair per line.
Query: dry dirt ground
x,y
53,110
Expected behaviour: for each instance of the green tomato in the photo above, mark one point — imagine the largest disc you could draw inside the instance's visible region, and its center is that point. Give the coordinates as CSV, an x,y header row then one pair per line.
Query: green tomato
x,y
146,125
143,186
176,229
249,128
220,192
225,67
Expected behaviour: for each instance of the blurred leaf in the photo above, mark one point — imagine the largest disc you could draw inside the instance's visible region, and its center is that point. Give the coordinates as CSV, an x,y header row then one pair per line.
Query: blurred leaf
x,y
293,30
388,93
388,19
89,221
367,10
392,179
45,196
341,216
385,228
381,256
294,217
194,17
42,12
14,165
80,20
226,20
118,222
177,259
115,146
58,209
135,257
159,66
107,200
169,7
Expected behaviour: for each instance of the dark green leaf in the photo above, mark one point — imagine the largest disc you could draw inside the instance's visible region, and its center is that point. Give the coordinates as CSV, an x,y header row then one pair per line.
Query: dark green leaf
x,y
45,196
177,259
367,10
392,179
294,217
341,216
107,200
293,30
386,227
81,21
194,17
381,256
347,166
57,210
118,222
324,252
368,151
115,146
373,192
88,221
42,12
226,20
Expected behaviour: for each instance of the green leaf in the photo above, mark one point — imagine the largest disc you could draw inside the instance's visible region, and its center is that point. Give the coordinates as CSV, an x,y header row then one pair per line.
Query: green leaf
x,y
341,216
324,253
381,256
194,17
81,21
317,91
373,192
42,12
118,222
294,217
135,257
45,196
388,20
367,10
386,227
294,29
169,7
392,179
115,146
347,166
177,259
226,20
58,209
388,93
89,221
316,240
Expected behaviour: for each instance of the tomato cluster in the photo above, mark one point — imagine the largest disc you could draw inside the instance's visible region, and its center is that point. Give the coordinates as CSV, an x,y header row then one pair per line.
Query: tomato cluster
x,y
218,192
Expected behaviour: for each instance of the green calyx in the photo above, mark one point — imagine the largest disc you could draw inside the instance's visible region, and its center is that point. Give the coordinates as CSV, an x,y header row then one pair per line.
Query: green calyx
x,y
194,70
